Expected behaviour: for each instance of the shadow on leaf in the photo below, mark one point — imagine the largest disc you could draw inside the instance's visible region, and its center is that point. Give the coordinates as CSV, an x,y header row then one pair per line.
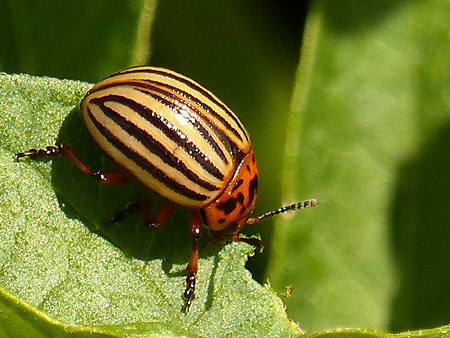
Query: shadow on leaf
x,y
83,198
421,235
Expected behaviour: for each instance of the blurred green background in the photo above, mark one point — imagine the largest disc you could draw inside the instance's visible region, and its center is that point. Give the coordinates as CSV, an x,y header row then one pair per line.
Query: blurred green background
x,y
359,120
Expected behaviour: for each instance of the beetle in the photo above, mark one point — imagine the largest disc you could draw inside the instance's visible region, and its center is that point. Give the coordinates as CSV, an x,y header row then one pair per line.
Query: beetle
x,y
180,141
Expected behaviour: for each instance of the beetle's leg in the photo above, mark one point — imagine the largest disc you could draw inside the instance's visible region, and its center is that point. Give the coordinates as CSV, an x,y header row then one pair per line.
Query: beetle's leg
x,y
161,216
35,153
110,177
256,242
121,215
234,236
196,225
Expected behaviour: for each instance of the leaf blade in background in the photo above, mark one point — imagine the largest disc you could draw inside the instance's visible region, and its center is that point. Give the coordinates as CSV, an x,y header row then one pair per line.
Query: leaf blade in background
x,y
81,40
370,97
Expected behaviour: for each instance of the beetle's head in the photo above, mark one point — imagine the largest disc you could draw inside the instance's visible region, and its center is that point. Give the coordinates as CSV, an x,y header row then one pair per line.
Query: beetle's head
x,y
235,204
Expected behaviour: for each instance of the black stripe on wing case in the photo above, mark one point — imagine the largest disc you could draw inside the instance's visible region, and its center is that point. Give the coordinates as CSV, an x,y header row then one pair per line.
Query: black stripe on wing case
x,y
144,164
161,124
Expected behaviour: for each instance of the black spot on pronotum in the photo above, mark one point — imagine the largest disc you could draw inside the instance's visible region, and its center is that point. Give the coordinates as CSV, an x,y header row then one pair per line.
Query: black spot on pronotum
x,y
222,220
228,206
243,210
252,189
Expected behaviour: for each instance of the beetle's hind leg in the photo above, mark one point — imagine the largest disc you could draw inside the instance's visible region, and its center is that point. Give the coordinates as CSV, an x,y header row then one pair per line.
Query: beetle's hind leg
x,y
161,216
109,177
120,216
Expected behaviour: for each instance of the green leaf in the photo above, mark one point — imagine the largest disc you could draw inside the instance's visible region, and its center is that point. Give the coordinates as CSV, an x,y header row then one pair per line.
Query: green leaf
x,y
368,136
364,333
60,263
81,40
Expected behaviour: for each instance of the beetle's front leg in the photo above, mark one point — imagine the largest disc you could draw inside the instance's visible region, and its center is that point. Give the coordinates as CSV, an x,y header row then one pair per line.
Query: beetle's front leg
x,y
196,225
234,236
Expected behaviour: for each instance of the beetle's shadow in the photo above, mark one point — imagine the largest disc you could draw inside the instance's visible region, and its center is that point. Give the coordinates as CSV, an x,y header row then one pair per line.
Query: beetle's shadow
x,y
82,197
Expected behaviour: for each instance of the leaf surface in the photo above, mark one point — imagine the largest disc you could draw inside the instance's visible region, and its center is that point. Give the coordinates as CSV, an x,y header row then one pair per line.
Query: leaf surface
x,y
61,263
368,136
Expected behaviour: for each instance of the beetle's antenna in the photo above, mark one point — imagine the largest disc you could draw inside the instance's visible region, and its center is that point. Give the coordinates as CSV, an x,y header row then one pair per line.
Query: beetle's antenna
x,y
282,210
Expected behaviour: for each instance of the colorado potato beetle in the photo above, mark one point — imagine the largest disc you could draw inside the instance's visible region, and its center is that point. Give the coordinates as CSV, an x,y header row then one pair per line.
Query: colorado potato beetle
x,y
180,141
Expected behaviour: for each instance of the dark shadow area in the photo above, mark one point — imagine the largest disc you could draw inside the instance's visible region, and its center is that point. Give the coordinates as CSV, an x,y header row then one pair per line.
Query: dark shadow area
x,y
421,237
353,16
211,286
82,197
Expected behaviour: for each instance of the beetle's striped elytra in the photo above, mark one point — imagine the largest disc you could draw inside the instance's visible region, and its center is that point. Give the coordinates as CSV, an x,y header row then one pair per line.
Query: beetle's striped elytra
x,y
180,141
174,136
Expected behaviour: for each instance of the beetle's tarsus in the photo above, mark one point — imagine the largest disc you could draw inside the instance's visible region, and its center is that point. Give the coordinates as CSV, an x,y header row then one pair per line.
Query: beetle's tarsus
x,y
189,294
120,216
35,153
